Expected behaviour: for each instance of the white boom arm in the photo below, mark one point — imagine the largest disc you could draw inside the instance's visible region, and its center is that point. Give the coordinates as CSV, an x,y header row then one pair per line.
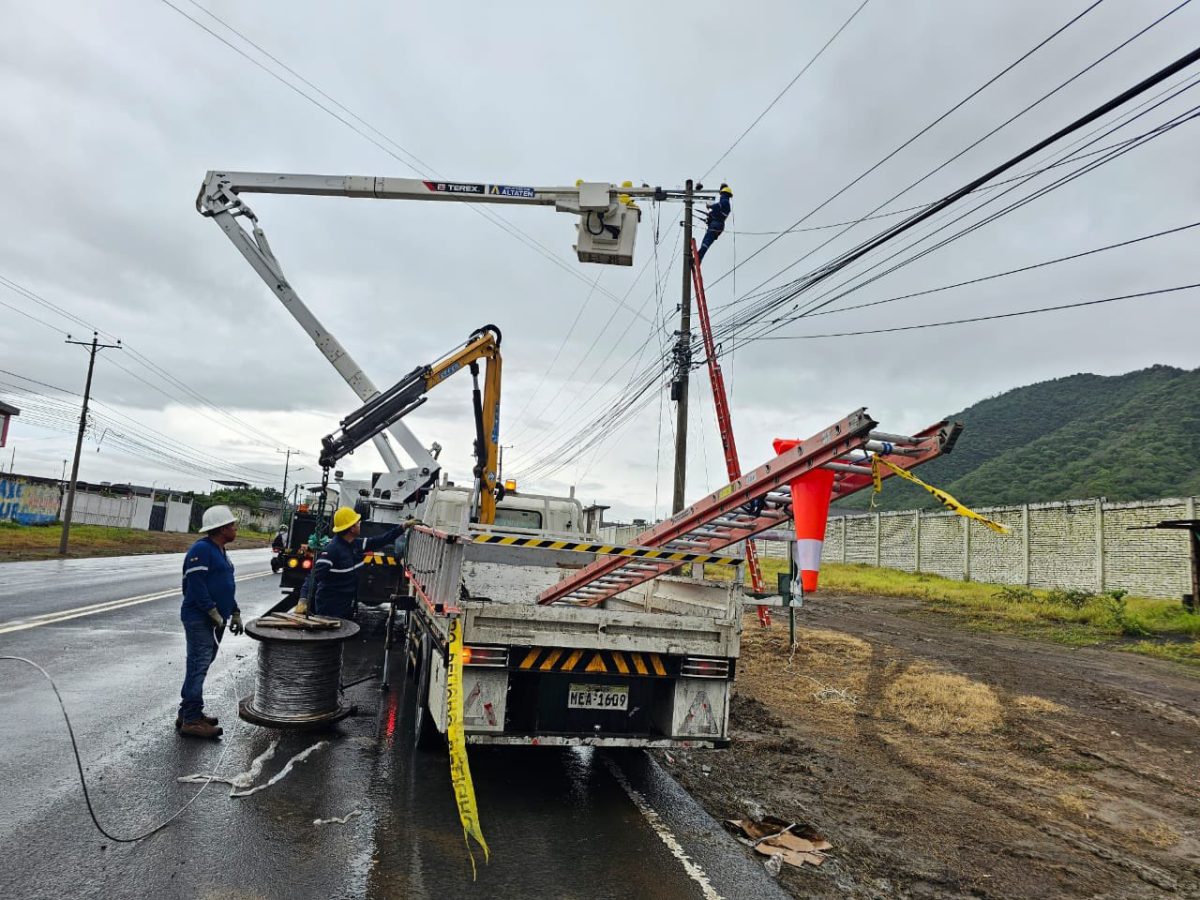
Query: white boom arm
x,y
605,234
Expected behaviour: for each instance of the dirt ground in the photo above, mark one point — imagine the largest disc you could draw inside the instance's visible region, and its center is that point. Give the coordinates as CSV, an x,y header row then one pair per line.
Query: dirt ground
x,y
947,763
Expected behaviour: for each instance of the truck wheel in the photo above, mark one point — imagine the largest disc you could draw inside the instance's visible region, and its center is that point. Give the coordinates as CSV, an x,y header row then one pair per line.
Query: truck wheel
x,y
426,735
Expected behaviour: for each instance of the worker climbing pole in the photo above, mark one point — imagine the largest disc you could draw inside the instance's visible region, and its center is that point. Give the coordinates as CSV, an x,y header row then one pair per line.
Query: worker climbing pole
x,y
733,466
716,214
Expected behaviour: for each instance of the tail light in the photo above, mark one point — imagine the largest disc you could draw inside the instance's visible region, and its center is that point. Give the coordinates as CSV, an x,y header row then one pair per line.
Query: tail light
x,y
307,564
701,667
494,657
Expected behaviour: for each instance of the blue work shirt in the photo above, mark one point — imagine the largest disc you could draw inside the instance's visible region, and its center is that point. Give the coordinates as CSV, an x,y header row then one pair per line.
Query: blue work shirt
x,y
207,582
718,212
336,571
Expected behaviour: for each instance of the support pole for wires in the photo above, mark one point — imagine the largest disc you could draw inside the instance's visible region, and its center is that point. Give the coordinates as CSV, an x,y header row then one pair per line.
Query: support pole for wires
x,y
683,359
93,348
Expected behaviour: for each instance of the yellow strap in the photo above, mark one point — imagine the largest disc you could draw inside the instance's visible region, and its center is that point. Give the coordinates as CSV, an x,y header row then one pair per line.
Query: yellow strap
x,y
460,769
945,499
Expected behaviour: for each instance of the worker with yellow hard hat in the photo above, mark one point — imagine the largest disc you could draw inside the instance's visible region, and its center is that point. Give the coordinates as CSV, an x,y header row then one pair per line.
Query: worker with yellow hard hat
x,y
336,570
718,211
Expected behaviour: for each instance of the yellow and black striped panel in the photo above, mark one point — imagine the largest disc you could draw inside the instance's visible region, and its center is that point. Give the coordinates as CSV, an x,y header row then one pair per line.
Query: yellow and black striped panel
x,y
598,662
674,556
379,559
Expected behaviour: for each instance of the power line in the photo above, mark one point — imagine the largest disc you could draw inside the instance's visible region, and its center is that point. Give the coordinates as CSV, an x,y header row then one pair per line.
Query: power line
x,y
866,247
408,159
246,429
961,103
1008,315
994,275
779,96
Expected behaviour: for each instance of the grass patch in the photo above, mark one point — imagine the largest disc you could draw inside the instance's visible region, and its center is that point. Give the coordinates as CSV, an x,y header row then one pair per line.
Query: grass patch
x,y
1032,703
1077,801
1153,627
1159,834
941,703
31,542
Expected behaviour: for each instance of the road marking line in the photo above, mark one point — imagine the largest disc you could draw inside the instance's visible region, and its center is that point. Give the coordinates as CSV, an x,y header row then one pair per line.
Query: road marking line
x,y
664,833
92,609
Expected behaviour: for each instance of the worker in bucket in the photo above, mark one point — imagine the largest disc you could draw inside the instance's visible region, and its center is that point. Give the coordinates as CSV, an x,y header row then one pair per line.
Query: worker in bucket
x,y
336,570
718,212
208,603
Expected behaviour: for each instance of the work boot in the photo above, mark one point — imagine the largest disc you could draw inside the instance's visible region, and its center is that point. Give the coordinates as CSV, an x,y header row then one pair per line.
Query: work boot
x,y
200,729
211,720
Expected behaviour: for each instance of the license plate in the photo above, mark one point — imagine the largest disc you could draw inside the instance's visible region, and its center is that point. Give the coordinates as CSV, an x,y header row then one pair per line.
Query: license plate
x,y
598,696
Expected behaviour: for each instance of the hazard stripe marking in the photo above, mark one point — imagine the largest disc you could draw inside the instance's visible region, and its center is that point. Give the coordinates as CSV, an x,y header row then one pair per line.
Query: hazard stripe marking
x,y
604,662
649,553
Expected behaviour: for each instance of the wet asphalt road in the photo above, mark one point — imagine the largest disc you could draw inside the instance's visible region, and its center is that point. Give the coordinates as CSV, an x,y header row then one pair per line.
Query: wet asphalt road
x,y
559,822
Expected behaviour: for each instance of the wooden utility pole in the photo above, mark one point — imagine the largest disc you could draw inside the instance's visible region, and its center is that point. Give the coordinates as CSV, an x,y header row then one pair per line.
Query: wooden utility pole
x,y
287,460
93,348
683,359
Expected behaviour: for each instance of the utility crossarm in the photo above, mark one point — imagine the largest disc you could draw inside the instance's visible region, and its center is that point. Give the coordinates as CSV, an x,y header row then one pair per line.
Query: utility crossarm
x,y
758,501
388,407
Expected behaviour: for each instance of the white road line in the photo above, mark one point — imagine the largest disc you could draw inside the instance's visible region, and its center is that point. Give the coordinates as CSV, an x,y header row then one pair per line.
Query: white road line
x,y
108,606
665,834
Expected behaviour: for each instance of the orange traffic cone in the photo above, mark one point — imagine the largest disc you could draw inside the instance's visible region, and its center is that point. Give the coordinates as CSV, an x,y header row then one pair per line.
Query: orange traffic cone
x,y
811,493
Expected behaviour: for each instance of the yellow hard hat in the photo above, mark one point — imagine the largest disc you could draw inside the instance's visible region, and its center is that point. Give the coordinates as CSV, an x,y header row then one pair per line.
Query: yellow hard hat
x,y
345,518
726,189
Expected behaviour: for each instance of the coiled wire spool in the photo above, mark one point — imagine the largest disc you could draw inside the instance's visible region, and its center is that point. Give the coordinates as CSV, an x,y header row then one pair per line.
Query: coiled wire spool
x,y
298,677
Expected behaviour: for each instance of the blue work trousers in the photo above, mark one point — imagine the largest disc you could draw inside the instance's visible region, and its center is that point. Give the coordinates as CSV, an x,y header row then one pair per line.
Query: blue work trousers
x,y
203,639
709,236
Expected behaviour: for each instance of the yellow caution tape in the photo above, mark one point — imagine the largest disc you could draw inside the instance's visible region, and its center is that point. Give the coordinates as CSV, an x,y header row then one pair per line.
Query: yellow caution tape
x,y
945,499
460,769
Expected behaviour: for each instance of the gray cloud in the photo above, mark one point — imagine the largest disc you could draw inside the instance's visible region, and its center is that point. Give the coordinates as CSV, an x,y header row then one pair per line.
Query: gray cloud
x,y
114,114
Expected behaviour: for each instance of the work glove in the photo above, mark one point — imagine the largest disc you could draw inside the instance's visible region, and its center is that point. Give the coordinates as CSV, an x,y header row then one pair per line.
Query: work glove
x,y
235,624
215,615
302,607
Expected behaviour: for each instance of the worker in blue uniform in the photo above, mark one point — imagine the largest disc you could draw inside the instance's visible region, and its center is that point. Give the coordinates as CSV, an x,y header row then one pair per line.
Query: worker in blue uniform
x,y
336,569
718,212
208,603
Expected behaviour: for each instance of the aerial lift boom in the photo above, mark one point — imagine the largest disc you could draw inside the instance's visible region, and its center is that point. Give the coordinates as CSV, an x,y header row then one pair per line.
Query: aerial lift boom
x,y
387,408
606,232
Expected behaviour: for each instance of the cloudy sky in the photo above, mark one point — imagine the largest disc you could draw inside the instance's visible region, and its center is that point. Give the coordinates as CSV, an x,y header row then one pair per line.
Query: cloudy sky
x,y
114,112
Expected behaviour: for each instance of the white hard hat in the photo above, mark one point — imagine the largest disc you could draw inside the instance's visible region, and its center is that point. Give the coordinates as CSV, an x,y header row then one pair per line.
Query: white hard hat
x,y
216,517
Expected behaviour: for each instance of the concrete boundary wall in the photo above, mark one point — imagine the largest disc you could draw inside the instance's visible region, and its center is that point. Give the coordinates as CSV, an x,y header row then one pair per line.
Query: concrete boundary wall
x,y
1091,545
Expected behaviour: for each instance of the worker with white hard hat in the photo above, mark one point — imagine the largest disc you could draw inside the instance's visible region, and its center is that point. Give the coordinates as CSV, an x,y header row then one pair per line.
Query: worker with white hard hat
x,y
336,569
208,603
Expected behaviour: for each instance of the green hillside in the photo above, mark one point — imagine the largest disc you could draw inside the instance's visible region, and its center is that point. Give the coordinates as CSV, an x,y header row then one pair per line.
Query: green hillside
x,y
1124,437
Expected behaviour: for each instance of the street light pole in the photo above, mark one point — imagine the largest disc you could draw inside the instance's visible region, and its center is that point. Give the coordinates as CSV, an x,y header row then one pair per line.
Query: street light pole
x,y
93,348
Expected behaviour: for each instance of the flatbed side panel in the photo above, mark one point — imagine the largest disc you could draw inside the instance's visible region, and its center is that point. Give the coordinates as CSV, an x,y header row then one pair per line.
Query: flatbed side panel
x,y
531,626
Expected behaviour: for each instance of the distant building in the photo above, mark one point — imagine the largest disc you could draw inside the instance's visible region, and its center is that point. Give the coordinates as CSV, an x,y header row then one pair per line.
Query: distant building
x,y
131,506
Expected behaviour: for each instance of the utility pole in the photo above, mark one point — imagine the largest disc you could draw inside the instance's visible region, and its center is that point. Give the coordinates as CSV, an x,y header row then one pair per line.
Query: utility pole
x,y
286,463
500,464
93,348
683,358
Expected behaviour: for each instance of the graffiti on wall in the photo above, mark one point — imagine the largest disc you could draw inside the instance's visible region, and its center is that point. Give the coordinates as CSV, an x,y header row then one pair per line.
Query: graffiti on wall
x,y
28,502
